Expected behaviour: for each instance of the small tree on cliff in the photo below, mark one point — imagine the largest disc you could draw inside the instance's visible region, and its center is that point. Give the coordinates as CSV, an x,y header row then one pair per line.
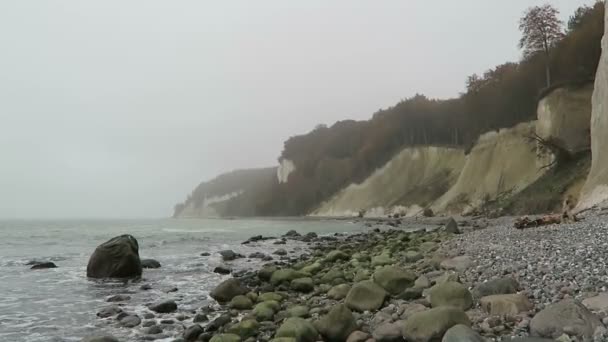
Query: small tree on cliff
x,y
541,30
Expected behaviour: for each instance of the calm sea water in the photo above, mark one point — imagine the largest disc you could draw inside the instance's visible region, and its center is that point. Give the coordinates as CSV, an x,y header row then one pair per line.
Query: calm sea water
x,y
61,304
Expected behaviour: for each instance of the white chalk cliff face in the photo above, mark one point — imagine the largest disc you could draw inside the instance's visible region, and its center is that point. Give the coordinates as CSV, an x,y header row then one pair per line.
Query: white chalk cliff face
x,y
595,190
284,170
207,209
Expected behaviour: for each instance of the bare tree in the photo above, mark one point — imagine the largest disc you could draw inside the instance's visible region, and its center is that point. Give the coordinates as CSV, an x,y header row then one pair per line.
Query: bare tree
x,y
541,29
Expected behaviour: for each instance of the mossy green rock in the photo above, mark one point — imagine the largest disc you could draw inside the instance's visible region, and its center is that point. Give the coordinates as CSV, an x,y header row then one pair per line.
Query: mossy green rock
x,y
361,257
286,275
266,272
253,296
302,285
413,256
241,302
334,256
361,275
463,333
245,328
451,294
225,338
431,325
338,292
365,296
312,268
394,279
428,246
298,328
411,293
283,339
298,311
382,260
265,311
337,325
331,275
227,290
270,296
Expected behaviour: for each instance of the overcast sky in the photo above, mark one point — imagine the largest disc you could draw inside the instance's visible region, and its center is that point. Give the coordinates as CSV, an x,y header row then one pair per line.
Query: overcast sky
x,y
120,108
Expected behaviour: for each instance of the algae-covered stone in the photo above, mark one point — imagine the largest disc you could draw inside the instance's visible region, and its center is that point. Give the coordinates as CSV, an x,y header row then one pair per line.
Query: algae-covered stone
x,y
270,296
245,328
422,282
428,246
462,333
336,255
302,285
283,339
382,260
298,328
227,290
431,325
312,268
337,325
338,292
411,293
332,275
241,302
451,294
265,311
298,311
394,279
225,338
266,272
365,296
413,256
363,274
286,275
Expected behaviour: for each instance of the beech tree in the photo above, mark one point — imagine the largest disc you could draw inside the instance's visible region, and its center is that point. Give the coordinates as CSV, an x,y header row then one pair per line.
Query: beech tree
x,y
541,30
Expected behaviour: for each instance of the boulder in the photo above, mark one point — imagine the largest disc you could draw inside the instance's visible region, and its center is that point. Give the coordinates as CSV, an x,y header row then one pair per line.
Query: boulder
x,y
462,333
331,275
301,311
286,275
43,265
411,293
302,285
109,311
566,315
227,290
222,270
193,332
338,292
280,252
422,282
266,272
265,311
241,302
382,260
337,325
150,263
394,279
388,332
103,338
292,234
357,336
225,338
505,304
506,285
365,296
164,307
452,226
218,323
451,294
431,325
264,297
459,263
413,256
245,328
115,258
129,321
229,255
597,303
118,298
336,255
298,328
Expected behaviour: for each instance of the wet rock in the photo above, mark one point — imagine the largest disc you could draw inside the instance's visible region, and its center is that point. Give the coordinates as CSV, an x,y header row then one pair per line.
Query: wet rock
x,y
597,303
164,307
43,265
115,258
301,311
198,318
245,328
154,330
229,255
265,311
147,324
451,294
505,304
241,302
336,255
496,286
205,254
118,298
280,251
227,290
130,321
462,333
459,263
222,270
286,275
413,256
388,332
394,279
338,324
432,324
109,311
145,287
357,336
411,294
193,332
422,282
225,338
270,296
566,316
150,263
292,234
339,292
302,285
171,289
103,338
365,296
382,260
217,323
257,255
266,272
452,226
298,328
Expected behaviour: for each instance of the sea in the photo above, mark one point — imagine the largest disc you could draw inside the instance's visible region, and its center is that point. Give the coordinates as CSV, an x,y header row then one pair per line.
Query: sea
x,y
60,304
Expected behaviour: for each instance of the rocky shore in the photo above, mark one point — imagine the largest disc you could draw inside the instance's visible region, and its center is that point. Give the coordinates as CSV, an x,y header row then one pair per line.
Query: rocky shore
x,y
471,280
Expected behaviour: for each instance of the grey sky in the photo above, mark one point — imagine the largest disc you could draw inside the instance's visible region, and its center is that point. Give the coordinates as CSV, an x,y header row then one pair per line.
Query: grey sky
x,y
119,108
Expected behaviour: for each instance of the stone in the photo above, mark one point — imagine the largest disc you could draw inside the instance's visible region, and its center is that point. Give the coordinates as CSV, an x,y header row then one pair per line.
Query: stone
x,y
462,333
218,323
431,325
229,255
164,307
245,328
413,256
365,296
422,282
554,319
496,286
198,318
451,294
388,332
103,338
505,304
298,328
336,255
264,297
266,272
116,258
241,302
150,263
292,233
394,279
411,294
338,292
264,311
222,270
361,275
382,260
118,298
280,252
43,265
302,285
298,311
227,290
109,311
597,303
193,332
337,325
331,276
225,338
154,329
459,263
286,275
130,321
357,336
452,226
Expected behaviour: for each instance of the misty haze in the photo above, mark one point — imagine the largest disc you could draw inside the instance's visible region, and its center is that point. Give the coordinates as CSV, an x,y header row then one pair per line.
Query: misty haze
x,y
302,171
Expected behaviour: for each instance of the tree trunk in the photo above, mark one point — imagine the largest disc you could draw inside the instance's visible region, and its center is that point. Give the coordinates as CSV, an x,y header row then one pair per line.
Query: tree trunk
x,y
548,74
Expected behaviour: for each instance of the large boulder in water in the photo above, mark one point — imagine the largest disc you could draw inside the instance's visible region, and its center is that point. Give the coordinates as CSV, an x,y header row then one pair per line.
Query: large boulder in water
x,y
116,258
